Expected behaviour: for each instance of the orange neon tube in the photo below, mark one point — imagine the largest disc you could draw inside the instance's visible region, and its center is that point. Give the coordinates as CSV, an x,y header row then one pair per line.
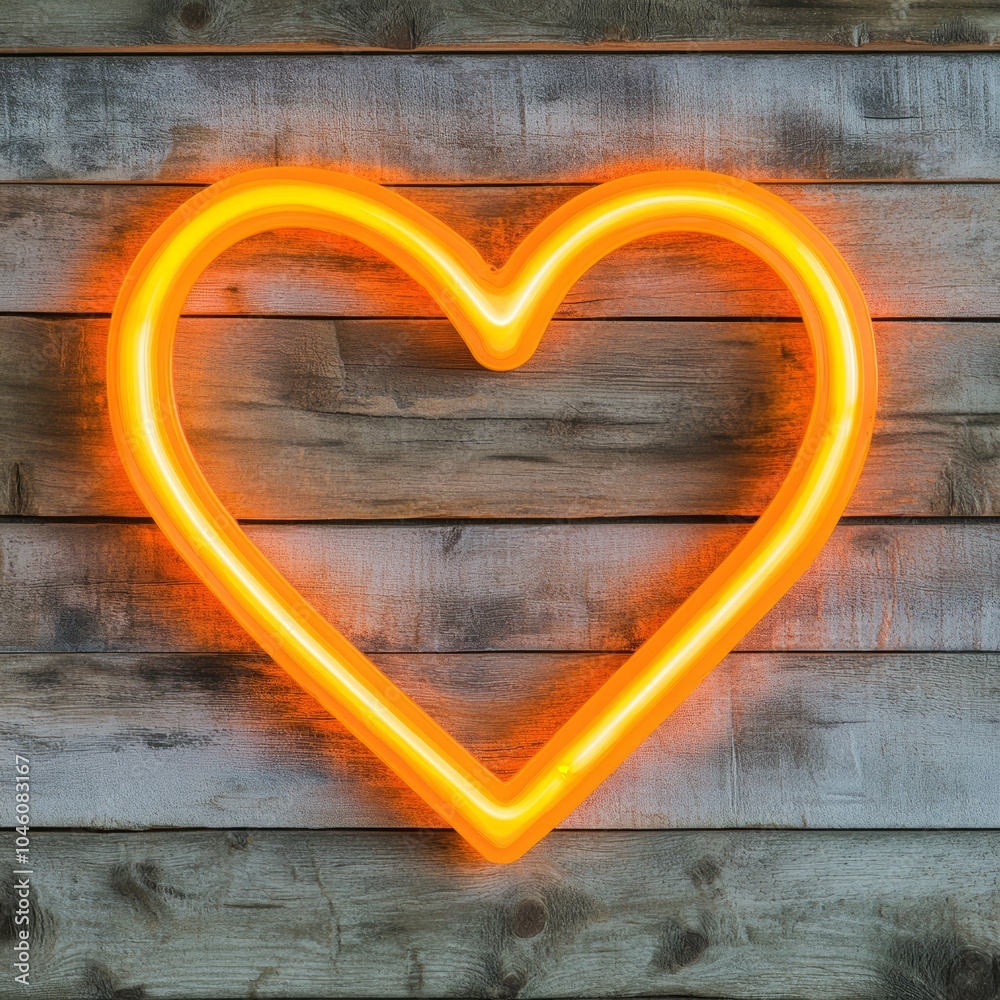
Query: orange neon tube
x,y
501,315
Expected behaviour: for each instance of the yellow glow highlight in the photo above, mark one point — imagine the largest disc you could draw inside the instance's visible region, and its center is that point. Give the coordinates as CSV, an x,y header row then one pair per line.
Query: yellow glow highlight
x,y
501,315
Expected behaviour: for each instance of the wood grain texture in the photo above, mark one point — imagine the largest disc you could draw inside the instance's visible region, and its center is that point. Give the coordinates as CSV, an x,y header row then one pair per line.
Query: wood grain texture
x,y
869,741
66,249
494,118
260,25
326,387
506,586
393,418
761,914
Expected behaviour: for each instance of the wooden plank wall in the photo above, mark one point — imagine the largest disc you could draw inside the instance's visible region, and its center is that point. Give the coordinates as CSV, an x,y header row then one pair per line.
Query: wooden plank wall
x,y
819,820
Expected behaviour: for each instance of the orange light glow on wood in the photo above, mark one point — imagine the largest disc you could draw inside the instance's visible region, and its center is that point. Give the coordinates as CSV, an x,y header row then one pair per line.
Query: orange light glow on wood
x,y
502,316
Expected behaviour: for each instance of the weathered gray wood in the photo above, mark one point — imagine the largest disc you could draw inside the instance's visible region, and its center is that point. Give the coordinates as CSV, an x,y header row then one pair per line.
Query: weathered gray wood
x,y
783,740
202,731
505,586
501,117
876,916
66,248
390,418
260,25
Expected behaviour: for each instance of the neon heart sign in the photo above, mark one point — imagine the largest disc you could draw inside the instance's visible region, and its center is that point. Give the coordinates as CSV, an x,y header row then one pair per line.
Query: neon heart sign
x,y
502,316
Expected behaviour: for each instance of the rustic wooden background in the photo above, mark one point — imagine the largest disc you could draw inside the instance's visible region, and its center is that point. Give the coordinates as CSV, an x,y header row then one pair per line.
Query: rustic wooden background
x,y
820,819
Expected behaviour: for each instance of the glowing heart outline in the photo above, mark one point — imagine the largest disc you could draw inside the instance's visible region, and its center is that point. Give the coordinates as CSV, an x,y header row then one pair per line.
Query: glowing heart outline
x,y
502,316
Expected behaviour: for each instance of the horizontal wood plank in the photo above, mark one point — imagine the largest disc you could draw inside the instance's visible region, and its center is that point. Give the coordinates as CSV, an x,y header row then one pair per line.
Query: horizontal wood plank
x,y
744,914
518,117
66,249
393,418
434,25
507,586
782,740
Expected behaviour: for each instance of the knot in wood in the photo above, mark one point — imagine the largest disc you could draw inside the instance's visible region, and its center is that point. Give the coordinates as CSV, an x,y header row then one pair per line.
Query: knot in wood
x,y
195,15
529,918
973,976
